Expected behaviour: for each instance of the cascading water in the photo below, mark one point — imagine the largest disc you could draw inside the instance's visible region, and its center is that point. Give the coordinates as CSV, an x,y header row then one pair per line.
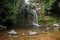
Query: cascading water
x,y
35,18
27,2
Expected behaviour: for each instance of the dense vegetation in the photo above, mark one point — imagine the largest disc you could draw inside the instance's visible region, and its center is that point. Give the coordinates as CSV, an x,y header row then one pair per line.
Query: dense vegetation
x,y
11,12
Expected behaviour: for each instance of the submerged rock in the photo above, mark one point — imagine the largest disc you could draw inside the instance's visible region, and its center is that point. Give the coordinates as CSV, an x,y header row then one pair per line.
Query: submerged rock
x,y
12,33
30,33
35,24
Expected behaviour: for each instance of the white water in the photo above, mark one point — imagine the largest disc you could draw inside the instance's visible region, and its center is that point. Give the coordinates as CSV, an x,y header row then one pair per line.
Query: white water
x,y
35,17
27,2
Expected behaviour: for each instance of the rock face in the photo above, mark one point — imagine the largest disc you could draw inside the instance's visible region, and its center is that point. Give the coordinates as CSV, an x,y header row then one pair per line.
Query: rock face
x,y
30,33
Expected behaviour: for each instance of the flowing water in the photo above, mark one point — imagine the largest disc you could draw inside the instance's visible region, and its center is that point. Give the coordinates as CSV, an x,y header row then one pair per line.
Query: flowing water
x,y
35,17
34,13
27,2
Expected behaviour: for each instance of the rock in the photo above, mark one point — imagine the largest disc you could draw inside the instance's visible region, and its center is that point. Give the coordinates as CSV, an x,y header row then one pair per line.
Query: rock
x,y
12,32
47,29
56,25
35,24
2,27
30,33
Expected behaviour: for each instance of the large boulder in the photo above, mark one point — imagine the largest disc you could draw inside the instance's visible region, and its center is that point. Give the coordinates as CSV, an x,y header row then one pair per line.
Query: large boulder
x,y
12,33
56,25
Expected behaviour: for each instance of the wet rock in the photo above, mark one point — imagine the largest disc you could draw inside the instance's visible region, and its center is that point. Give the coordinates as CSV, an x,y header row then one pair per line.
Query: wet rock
x,y
35,24
30,33
12,33
56,25
47,29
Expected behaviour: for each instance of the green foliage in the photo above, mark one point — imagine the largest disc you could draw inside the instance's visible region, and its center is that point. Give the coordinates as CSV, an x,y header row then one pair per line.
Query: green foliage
x,y
11,9
47,5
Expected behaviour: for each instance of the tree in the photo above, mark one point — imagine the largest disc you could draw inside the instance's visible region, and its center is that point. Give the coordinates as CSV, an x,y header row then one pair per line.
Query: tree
x,y
10,9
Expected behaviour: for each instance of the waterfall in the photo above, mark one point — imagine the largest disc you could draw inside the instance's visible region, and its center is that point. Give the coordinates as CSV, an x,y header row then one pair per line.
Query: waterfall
x,y
28,4
35,17
27,1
